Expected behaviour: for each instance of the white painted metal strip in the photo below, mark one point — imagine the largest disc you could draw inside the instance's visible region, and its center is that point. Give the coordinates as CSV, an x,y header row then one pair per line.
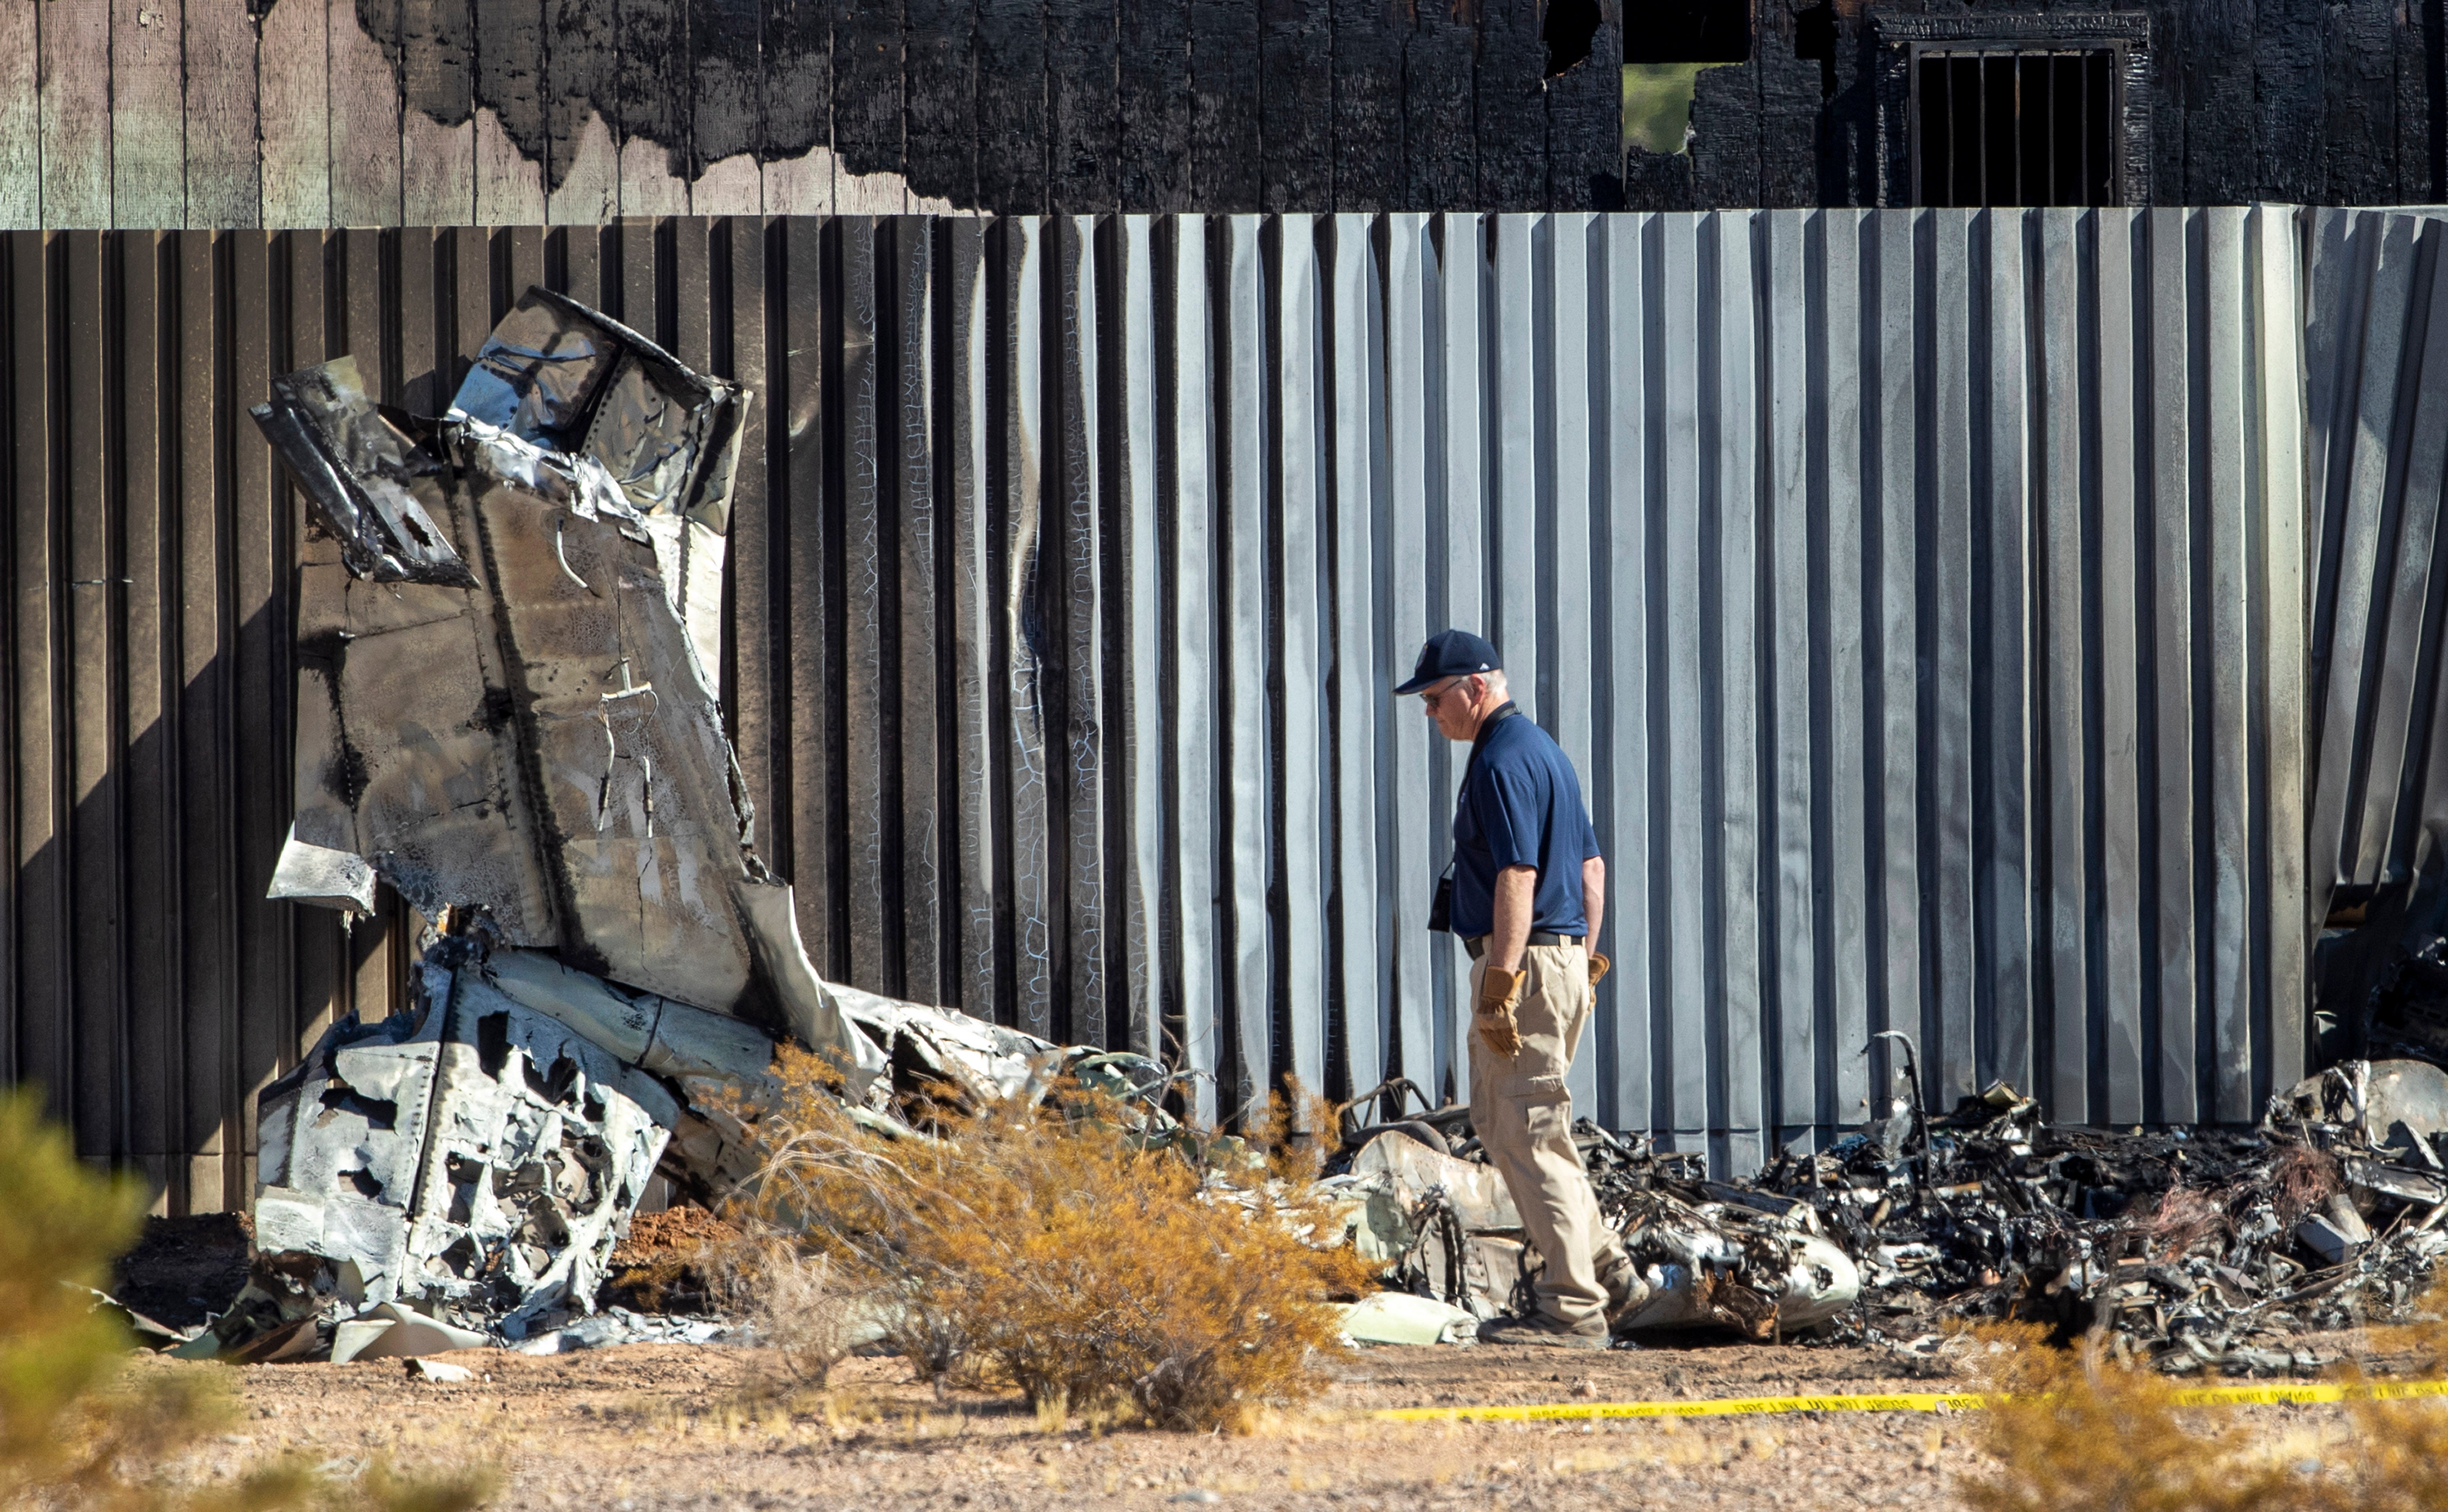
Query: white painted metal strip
x,y
1249,835
1414,804
1144,698
2122,393
1623,788
1193,688
1300,464
1364,710
1792,988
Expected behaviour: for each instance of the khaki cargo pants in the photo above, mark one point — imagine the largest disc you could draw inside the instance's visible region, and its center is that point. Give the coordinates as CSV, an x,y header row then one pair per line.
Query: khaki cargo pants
x,y
1524,1120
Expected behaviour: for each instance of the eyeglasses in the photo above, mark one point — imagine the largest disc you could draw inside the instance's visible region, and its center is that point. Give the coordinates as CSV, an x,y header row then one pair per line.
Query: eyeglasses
x,y
1430,696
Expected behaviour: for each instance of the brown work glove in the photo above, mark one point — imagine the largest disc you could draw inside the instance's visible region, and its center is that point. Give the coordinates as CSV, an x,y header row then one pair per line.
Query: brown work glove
x,y
1600,966
1497,993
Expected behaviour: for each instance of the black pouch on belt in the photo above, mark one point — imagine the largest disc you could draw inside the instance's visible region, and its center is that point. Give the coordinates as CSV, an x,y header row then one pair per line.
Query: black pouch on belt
x,y
1441,906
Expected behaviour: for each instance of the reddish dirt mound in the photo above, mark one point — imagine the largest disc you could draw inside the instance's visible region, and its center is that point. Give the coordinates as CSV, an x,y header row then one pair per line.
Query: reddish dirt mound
x,y
671,1235
655,1270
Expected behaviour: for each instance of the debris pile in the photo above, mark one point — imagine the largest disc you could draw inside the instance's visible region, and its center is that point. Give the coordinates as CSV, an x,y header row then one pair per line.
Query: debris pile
x,y
508,630
2204,1250
509,634
2194,1250
476,1156
1715,1255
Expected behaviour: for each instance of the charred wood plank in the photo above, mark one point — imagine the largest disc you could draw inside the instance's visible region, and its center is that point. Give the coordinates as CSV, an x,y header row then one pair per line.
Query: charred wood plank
x,y
1510,108
798,113
1011,107
726,118
2358,125
1585,126
1725,145
1225,138
582,71
1079,87
1296,105
1368,124
1153,157
941,135
512,134
2222,154
1440,149
867,91
657,98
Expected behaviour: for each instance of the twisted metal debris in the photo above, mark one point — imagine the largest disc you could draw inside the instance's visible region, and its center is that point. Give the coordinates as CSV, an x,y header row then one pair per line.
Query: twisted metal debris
x,y
509,636
2201,1250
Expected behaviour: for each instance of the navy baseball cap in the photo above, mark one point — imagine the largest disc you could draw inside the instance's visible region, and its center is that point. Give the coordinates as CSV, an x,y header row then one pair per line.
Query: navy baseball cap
x,y
1449,654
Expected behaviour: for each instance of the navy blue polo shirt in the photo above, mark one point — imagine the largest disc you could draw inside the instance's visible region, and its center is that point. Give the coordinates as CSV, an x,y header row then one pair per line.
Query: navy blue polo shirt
x,y
1521,806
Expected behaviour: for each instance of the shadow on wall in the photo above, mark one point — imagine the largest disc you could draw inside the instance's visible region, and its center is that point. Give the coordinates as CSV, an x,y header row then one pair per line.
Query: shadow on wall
x,y
156,988
148,987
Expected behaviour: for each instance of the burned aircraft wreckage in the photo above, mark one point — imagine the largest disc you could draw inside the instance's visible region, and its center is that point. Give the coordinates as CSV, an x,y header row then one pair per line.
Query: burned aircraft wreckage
x,y
508,711
509,636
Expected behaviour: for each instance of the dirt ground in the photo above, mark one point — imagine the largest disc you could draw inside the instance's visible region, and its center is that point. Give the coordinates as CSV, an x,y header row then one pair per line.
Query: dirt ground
x,y
647,1427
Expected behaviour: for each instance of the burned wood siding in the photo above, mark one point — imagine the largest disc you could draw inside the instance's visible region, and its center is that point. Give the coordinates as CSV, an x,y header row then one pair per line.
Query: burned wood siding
x,y
303,113
284,113
1073,557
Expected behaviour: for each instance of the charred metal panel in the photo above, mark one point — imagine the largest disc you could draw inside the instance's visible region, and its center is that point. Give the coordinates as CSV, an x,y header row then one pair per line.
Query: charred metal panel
x,y
588,800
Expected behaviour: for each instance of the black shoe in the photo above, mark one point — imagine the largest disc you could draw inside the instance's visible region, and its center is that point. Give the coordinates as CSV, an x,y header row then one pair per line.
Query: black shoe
x,y
1541,1329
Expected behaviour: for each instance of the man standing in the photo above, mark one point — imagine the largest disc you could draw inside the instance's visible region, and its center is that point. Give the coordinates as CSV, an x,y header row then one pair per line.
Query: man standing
x,y
1527,894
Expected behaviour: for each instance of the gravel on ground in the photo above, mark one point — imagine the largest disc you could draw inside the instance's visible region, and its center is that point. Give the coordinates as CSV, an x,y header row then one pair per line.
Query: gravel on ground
x,y
655,1428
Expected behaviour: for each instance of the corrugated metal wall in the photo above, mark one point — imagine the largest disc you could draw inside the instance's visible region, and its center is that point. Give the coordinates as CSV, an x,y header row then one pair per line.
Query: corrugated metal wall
x,y
143,980
1937,664
1921,594
2377,368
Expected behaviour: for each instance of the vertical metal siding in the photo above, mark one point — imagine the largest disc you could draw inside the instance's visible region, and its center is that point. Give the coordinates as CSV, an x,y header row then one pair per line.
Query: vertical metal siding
x,y
1407,264
2376,361
1921,594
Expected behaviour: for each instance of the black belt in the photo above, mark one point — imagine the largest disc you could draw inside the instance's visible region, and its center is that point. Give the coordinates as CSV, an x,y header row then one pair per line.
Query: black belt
x,y
1476,944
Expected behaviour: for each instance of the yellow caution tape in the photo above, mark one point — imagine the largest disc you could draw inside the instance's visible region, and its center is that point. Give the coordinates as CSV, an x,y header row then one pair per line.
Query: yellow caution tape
x,y
2265,1395
1891,1402
1721,1407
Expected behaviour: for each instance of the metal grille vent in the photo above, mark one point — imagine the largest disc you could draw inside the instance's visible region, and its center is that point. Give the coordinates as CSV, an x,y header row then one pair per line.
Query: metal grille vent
x,y
2026,128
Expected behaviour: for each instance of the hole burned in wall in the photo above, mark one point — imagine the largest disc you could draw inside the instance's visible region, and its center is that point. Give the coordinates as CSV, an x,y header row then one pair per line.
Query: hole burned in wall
x,y
1815,35
1657,105
1664,50
1569,29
